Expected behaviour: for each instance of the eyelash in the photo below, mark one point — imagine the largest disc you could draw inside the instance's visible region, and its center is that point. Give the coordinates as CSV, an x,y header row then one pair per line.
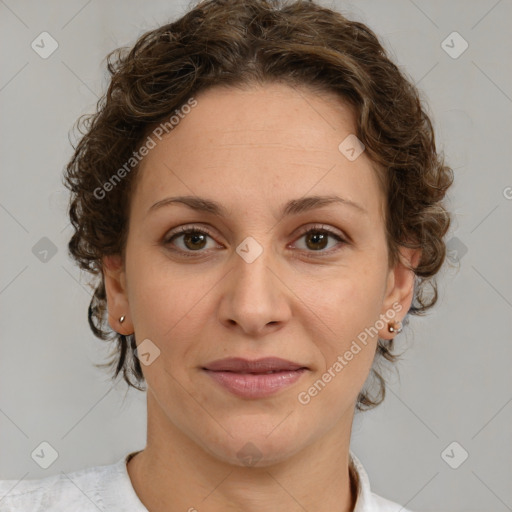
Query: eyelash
x,y
183,230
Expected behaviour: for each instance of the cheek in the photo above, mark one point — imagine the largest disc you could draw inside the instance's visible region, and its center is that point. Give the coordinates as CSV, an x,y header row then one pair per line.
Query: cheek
x,y
159,296
346,346
168,308
345,304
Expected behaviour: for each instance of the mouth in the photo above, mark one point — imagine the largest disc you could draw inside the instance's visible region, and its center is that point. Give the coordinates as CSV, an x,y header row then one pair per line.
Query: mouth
x,y
265,365
254,379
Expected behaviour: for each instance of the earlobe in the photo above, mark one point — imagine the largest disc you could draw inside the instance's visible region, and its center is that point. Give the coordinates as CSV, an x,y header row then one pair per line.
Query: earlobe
x,y
400,291
117,300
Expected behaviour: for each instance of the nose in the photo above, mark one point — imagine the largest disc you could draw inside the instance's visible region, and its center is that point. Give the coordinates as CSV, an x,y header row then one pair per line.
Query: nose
x,y
255,298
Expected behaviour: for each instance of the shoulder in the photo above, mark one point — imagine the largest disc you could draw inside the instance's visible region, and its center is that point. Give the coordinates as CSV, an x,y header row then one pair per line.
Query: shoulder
x,y
383,505
367,500
79,490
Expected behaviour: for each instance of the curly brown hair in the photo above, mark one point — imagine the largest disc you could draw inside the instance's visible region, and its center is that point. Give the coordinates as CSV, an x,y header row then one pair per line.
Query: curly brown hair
x,y
241,42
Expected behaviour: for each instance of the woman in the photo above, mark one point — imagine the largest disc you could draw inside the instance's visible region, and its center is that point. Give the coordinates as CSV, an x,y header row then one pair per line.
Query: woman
x,y
260,197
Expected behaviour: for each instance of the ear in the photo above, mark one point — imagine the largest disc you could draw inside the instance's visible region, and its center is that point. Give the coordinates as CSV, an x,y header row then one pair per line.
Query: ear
x,y
114,276
400,288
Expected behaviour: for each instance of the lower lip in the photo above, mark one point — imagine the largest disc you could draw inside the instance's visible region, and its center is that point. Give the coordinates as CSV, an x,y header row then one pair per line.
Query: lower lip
x,y
249,385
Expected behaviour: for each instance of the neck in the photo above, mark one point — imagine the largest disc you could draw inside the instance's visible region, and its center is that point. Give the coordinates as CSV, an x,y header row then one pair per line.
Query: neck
x,y
173,473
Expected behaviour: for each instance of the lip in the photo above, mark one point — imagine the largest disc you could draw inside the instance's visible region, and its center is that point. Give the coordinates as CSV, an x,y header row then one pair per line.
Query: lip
x,y
263,365
250,379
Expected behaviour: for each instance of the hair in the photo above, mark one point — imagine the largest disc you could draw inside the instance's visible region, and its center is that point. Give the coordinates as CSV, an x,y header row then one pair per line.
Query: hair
x,y
237,43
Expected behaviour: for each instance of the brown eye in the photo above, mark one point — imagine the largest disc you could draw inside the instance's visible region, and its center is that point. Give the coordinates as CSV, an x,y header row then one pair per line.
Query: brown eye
x,y
317,240
193,239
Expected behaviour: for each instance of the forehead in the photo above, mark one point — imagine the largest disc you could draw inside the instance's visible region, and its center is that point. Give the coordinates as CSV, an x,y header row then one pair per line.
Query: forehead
x,y
261,142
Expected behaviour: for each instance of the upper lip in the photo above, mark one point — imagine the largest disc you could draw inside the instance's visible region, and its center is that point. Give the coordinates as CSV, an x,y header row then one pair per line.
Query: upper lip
x,y
241,365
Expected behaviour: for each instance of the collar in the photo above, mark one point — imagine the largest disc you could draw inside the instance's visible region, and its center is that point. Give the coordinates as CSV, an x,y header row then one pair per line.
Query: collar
x,y
364,501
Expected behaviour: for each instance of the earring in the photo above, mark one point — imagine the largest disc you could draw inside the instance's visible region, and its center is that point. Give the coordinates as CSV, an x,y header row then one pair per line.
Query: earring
x,y
121,320
395,327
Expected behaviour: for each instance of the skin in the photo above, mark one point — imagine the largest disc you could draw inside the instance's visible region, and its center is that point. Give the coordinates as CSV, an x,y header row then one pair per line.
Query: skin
x,y
252,150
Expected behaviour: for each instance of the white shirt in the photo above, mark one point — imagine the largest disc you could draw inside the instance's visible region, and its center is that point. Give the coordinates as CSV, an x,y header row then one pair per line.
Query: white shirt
x,y
108,488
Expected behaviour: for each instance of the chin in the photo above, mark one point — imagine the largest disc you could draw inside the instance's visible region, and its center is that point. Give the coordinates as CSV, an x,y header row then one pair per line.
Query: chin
x,y
255,449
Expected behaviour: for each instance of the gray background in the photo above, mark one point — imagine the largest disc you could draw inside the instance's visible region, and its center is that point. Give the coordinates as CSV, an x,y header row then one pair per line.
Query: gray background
x,y
455,379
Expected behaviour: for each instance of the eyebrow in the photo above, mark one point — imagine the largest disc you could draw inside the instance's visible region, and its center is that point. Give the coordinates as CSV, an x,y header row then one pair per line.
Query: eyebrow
x,y
292,207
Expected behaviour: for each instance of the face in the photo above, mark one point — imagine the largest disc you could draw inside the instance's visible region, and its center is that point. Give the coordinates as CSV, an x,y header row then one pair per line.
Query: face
x,y
256,280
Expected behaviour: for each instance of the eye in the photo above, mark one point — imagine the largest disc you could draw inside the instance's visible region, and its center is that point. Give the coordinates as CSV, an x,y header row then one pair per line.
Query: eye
x,y
317,237
195,239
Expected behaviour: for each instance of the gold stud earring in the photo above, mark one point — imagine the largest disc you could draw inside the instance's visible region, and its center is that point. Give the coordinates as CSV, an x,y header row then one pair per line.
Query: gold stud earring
x,y
395,327
121,320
